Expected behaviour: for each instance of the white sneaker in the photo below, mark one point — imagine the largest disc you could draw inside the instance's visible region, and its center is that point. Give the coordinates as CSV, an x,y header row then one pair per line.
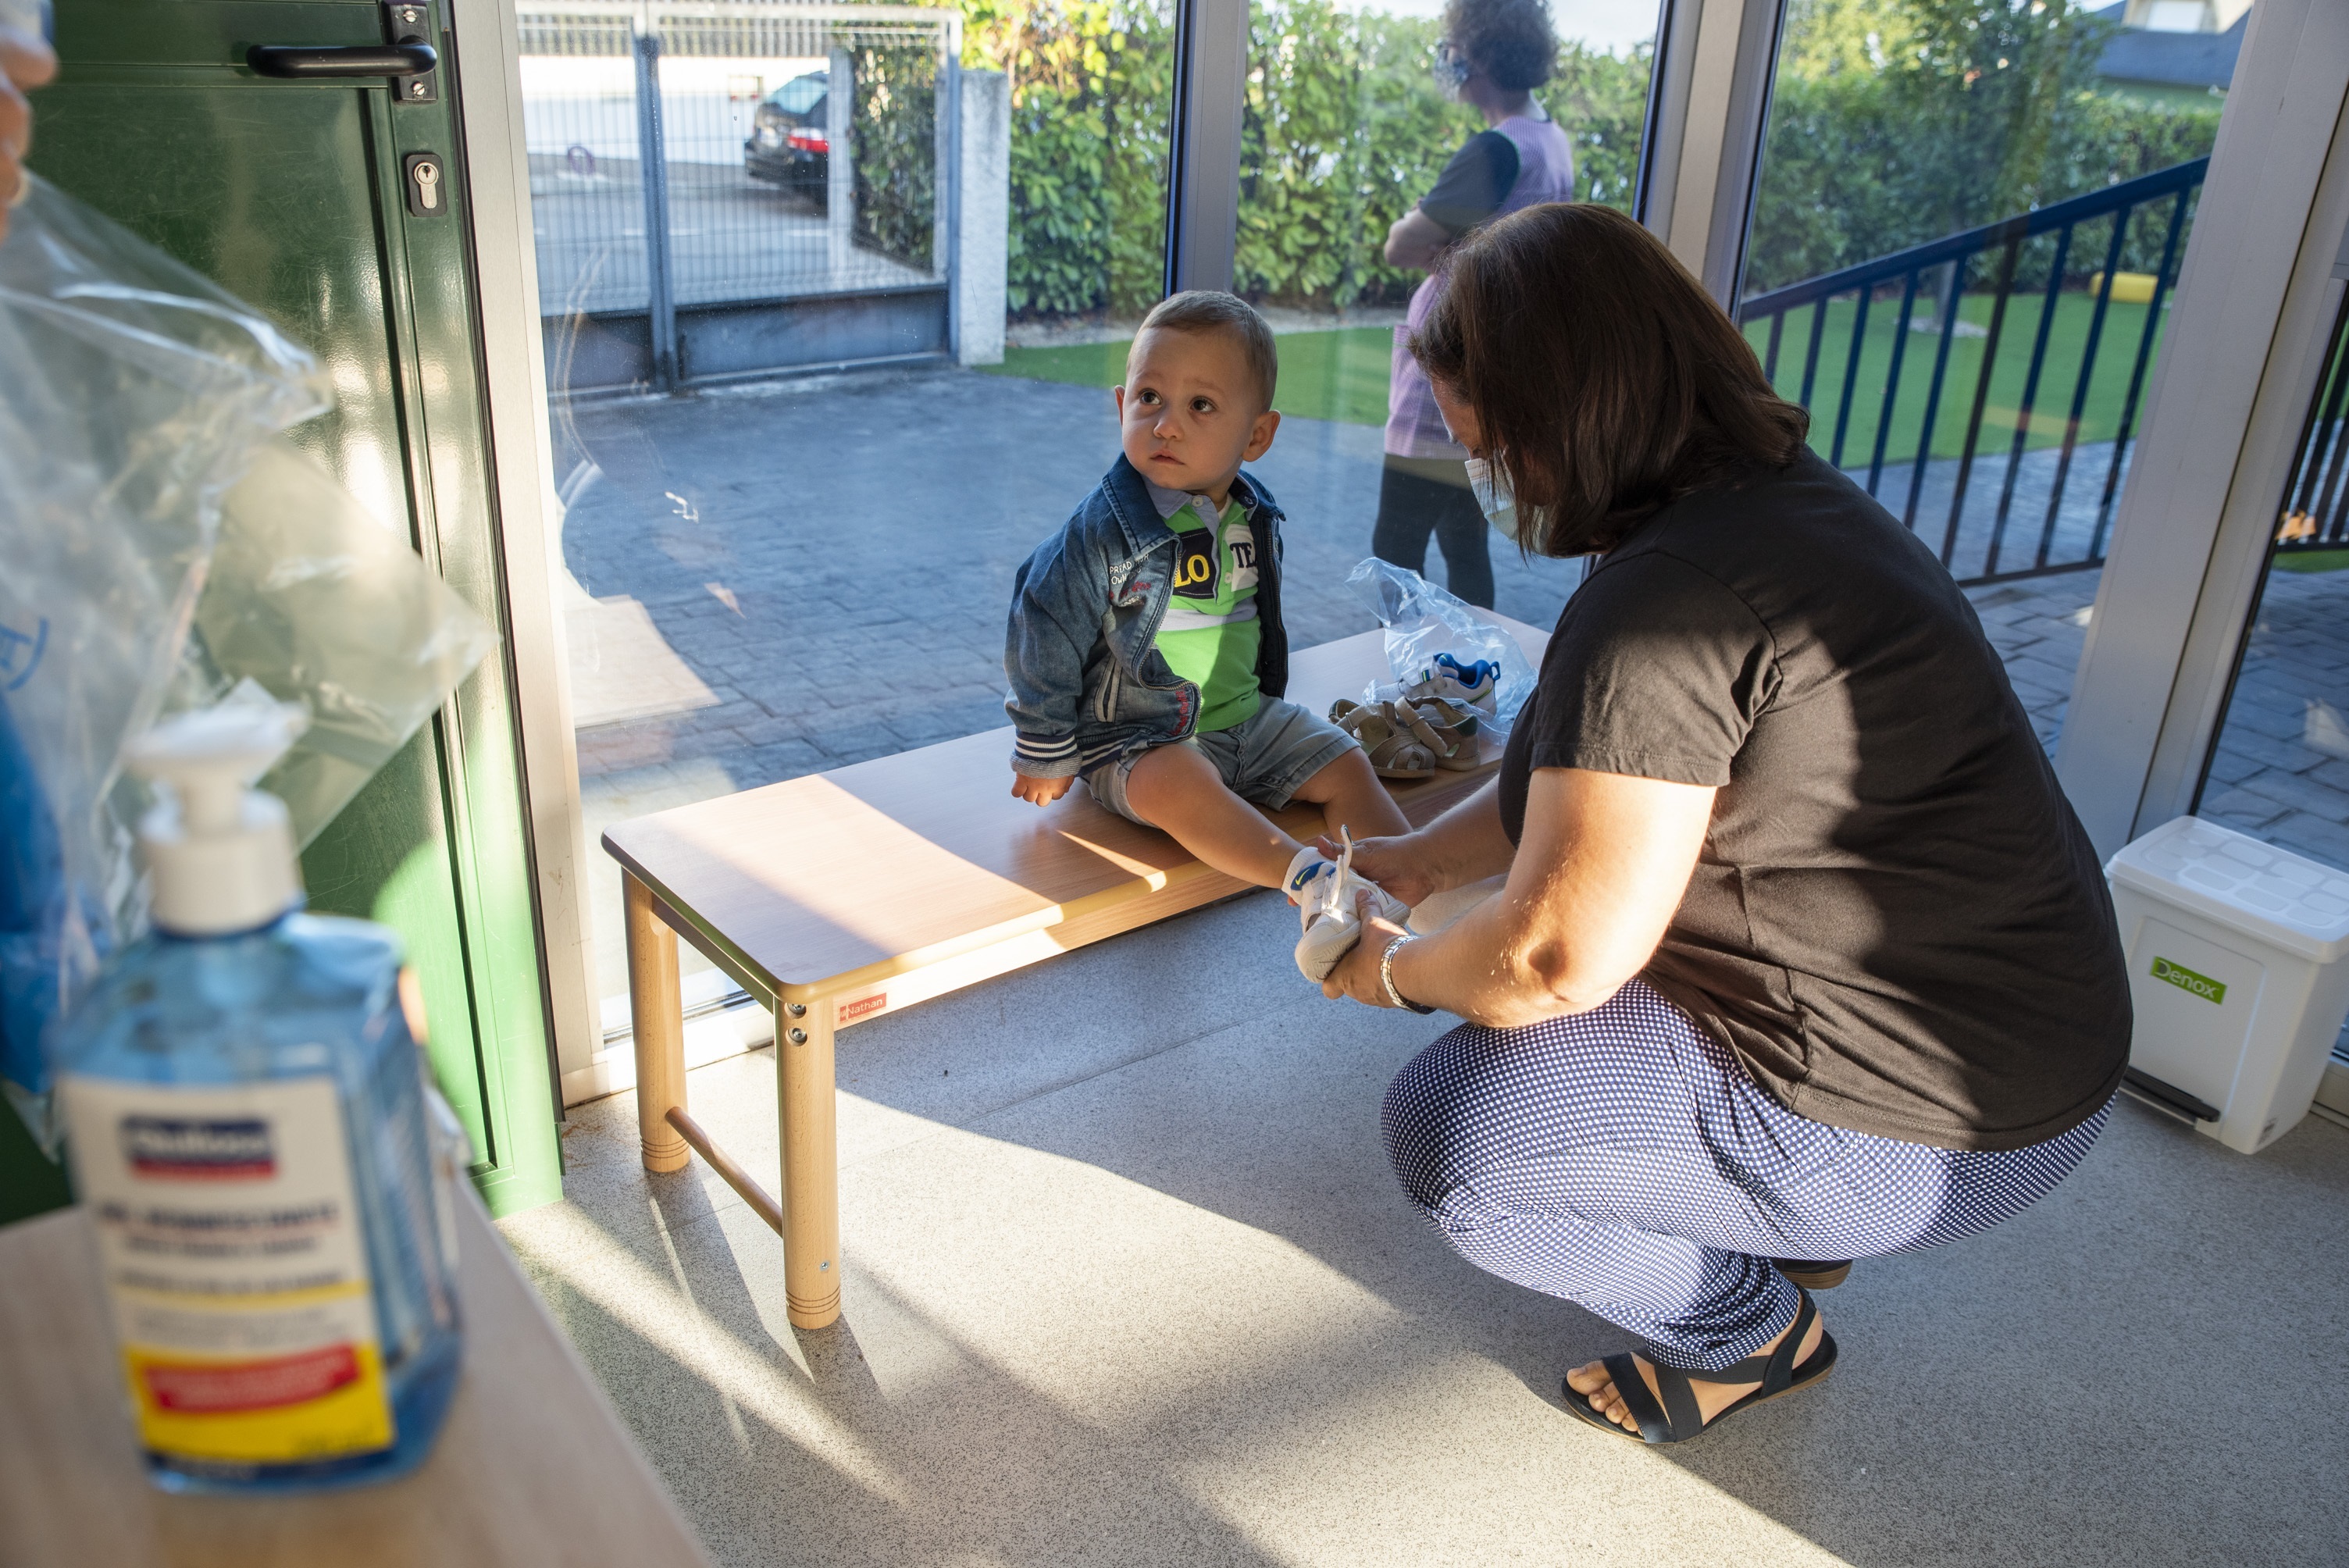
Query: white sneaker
x,y
1477,685
1325,891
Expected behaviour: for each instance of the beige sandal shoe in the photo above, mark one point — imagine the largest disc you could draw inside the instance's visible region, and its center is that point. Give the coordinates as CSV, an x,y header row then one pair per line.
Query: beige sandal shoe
x,y
1399,745
1453,725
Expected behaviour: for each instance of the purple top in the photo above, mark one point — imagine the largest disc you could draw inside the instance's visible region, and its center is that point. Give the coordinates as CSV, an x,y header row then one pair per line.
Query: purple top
x,y
1544,173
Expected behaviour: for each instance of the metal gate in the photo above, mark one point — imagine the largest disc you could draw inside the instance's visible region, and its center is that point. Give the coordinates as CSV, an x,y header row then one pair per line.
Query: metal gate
x,y
709,207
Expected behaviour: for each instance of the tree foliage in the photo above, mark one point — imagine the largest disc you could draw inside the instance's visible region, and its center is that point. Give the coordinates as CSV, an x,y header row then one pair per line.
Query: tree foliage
x,y
1092,81
1893,123
894,132
1897,122
1342,129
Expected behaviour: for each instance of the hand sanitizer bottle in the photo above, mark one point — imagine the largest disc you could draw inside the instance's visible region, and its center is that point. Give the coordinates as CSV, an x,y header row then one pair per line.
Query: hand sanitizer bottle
x,y
244,1108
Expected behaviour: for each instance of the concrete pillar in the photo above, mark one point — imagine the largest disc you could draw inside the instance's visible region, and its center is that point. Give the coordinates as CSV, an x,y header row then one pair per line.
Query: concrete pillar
x,y
840,163
983,231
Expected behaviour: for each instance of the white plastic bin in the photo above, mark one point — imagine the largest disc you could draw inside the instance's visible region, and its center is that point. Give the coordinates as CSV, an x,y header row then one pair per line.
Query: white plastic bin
x,y
2239,970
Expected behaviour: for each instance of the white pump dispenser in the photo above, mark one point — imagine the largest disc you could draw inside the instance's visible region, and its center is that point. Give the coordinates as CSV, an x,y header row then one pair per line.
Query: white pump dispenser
x,y
220,852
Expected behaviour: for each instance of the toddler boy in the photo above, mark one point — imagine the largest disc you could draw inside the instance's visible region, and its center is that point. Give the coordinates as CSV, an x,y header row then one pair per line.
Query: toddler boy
x,y
1146,651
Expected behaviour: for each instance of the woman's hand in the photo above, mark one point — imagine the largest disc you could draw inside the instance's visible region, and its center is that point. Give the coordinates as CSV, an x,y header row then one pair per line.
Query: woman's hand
x,y
1357,974
1404,865
25,62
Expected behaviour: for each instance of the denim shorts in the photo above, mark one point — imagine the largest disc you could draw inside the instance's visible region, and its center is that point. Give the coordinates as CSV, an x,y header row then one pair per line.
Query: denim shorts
x,y
1263,760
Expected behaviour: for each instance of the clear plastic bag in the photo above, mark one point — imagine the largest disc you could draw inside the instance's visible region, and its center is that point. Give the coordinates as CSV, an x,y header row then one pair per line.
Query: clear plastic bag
x,y
1422,621
133,394
311,599
143,489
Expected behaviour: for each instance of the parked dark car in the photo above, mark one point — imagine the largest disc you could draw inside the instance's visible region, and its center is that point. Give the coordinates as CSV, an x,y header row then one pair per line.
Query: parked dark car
x,y
788,145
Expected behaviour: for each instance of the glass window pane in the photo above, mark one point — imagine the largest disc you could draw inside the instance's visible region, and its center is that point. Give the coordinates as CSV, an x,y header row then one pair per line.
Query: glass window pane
x,y
2279,769
1966,234
1367,147
803,557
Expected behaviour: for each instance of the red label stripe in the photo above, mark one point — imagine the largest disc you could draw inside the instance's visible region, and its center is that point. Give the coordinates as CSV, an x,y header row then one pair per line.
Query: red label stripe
x,y
218,1390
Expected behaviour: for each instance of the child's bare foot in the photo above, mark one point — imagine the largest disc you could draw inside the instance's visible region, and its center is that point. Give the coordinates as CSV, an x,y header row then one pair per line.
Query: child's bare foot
x,y
1592,1381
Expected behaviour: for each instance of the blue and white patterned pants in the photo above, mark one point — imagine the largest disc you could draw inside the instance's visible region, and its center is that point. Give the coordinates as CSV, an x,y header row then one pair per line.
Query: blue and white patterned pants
x,y
1622,1159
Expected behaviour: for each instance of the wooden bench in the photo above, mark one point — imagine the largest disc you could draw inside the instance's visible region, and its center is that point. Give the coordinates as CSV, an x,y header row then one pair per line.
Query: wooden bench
x,y
838,897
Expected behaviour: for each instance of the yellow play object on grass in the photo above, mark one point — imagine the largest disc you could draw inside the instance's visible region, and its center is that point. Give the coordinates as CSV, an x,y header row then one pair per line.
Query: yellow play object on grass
x,y
2128,288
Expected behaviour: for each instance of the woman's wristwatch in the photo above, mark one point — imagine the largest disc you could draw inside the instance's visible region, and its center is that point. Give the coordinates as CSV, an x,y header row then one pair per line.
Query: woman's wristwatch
x,y
1386,975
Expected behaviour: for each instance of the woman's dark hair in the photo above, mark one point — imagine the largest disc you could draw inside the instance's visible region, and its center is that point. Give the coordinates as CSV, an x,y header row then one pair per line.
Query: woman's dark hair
x,y
1508,40
1607,380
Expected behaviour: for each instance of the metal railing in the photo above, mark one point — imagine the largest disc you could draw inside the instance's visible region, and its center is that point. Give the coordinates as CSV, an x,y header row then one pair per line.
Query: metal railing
x,y
2315,511
1975,542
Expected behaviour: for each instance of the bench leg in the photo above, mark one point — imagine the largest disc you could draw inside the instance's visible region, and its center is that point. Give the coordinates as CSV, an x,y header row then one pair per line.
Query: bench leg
x,y
657,1010
809,1113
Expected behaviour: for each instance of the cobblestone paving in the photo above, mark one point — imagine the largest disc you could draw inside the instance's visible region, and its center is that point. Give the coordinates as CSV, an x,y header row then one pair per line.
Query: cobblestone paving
x,y
2281,769
788,579
2281,772
2049,504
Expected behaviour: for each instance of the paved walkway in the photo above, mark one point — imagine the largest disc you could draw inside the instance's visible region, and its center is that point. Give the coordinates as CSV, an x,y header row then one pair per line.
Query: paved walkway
x,y
789,578
2282,771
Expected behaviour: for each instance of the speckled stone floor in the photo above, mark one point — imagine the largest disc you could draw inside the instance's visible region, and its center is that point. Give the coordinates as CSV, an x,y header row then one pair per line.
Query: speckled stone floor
x,y
1127,1282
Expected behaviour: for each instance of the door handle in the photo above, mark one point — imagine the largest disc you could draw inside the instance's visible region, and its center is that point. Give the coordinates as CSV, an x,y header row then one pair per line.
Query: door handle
x,y
312,62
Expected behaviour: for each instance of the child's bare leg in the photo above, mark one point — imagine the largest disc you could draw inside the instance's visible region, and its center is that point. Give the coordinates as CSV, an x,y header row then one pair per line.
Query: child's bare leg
x,y
1179,791
1349,792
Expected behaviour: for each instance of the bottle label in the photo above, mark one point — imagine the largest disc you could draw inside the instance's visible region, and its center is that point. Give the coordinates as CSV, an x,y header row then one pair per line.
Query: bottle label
x,y
234,1253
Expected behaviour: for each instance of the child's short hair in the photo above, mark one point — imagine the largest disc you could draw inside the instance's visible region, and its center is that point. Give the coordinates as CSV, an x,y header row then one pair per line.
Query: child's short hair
x,y
1212,310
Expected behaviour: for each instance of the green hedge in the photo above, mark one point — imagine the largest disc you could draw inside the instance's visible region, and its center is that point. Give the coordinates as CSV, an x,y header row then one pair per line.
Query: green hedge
x,y
1342,129
1090,83
894,133
1897,121
1893,123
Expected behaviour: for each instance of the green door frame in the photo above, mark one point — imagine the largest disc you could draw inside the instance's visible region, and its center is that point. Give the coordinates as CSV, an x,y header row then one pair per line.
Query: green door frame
x,y
439,845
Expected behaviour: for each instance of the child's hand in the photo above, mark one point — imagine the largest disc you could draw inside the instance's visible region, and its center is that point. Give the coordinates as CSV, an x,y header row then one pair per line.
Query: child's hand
x,y
1038,791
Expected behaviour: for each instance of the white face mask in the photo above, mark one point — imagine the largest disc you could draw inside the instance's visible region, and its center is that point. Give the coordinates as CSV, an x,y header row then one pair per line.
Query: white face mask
x,y
1494,498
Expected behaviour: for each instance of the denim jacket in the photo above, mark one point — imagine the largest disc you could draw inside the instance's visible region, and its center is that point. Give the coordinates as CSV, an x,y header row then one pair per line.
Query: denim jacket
x,y
1087,684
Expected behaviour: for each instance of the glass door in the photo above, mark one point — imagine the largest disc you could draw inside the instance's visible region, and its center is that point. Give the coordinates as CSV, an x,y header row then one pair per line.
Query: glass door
x,y
829,293
1967,229
1373,137
2278,767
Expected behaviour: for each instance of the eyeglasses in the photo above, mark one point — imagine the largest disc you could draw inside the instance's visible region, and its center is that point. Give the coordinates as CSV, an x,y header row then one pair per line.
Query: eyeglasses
x,y
1452,68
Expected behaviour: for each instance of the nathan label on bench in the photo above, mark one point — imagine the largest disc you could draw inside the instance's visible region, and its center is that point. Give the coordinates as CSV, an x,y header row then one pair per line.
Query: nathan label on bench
x,y
863,1007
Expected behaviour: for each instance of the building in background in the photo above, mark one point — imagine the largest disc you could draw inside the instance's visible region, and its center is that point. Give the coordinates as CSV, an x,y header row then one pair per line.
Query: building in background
x,y
2179,51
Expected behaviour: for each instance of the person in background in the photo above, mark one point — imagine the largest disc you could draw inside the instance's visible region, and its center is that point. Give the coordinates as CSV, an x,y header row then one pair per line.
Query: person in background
x,y
25,62
1494,54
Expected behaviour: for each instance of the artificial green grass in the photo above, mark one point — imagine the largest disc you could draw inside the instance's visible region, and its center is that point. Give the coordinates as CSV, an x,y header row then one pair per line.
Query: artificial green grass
x,y
1342,374
1339,375
2052,407
2312,560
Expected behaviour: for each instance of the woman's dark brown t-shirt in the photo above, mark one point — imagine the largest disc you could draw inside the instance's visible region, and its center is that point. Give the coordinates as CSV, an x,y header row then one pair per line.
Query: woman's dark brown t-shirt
x,y
1897,922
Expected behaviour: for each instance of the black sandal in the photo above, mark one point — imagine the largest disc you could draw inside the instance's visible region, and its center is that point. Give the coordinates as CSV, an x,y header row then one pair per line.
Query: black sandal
x,y
1678,1419
1814,1275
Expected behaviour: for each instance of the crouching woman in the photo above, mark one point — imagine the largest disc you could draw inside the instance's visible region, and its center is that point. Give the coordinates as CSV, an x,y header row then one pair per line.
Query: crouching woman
x,y
1802,956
